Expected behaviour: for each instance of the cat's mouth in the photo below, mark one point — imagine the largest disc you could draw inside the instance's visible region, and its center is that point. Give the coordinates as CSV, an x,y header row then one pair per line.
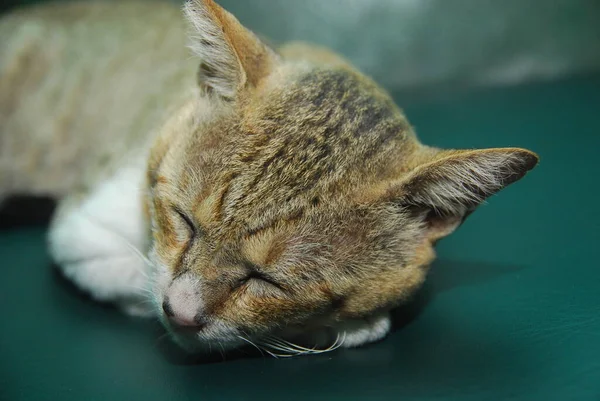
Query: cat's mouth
x,y
203,339
194,343
186,330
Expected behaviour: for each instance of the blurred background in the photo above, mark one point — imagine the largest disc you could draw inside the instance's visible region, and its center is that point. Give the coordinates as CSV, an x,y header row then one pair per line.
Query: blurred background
x,y
437,44
422,43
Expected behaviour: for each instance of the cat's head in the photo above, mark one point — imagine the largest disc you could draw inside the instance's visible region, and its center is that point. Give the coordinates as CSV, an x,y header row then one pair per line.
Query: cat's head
x,y
291,194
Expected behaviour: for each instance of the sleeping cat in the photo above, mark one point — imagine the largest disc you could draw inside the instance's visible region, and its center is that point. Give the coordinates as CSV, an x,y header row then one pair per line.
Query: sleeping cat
x,y
245,195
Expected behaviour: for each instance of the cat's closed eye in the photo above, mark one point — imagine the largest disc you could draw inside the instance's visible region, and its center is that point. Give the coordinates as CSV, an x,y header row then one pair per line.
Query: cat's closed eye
x,y
193,231
255,275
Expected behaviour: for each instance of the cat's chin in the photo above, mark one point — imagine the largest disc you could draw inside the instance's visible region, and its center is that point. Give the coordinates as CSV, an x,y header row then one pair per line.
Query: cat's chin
x,y
194,343
216,337
274,345
291,341
284,343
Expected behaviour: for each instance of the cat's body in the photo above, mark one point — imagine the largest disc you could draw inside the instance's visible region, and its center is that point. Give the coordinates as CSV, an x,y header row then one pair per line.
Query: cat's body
x,y
82,78
275,194
75,114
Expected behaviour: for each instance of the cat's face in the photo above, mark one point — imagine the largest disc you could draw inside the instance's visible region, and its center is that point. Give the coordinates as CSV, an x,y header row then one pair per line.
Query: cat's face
x,y
261,213
294,195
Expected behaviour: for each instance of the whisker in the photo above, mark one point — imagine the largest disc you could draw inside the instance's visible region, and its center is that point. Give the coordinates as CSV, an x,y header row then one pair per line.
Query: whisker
x,y
291,349
142,290
298,347
288,352
251,343
274,355
143,257
284,347
277,355
293,346
222,351
161,338
146,301
279,347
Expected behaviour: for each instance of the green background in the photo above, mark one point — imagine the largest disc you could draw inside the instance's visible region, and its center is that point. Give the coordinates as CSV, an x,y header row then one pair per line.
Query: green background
x,y
510,311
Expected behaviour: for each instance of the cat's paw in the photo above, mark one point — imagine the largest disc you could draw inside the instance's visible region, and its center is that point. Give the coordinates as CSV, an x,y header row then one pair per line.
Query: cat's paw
x,y
346,334
108,278
96,244
364,331
100,262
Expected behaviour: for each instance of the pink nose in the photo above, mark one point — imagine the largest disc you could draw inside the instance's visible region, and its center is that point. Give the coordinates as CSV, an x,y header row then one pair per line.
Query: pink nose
x,y
178,320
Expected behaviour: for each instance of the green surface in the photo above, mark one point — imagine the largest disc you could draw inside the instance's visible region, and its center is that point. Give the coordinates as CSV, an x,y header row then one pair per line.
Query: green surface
x,y
511,309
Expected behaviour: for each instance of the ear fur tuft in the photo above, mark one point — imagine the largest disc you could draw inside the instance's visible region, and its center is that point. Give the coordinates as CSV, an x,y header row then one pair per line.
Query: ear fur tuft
x,y
231,56
458,181
449,184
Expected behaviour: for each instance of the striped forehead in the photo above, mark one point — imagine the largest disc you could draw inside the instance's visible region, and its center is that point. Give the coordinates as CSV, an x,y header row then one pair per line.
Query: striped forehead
x,y
280,155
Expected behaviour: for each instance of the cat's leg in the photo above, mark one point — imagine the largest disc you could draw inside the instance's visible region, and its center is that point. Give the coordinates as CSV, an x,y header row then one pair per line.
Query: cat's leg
x,y
348,334
355,333
97,240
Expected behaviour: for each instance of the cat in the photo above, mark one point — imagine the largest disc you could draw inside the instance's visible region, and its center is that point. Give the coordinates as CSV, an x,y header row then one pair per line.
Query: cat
x,y
247,195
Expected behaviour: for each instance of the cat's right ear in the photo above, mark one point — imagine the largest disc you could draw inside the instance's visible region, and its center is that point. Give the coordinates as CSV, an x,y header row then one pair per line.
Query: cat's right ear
x,y
232,57
446,187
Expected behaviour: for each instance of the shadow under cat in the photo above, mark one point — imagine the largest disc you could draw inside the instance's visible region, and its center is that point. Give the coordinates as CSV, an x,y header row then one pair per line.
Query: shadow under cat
x,y
21,211
445,275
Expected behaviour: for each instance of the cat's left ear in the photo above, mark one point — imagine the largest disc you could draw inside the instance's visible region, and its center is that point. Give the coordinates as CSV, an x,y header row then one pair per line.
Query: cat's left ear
x,y
231,56
447,186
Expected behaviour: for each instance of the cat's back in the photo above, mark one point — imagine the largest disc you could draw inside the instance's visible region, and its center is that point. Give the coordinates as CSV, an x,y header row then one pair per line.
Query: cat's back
x,y
50,42
85,77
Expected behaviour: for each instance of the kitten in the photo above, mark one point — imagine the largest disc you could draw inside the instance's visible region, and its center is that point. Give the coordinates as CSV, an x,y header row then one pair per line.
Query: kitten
x,y
252,193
